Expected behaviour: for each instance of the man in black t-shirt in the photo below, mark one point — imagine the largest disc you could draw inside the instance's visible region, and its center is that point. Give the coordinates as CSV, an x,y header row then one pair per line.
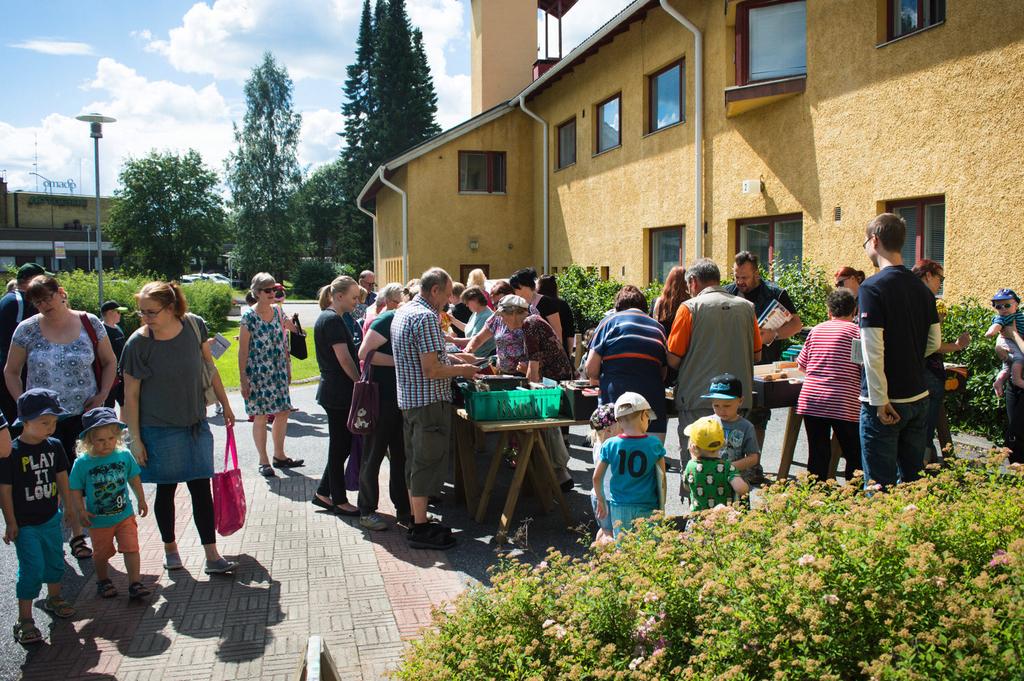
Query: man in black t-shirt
x,y
750,285
899,329
14,309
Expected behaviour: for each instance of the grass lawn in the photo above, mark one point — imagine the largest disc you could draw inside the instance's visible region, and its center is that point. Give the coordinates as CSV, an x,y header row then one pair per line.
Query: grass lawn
x,y
227,365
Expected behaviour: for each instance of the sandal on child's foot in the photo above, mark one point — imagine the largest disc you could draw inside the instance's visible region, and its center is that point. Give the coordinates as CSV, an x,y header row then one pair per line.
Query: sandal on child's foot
x,y
137,590
58,607
79,549
26,632
105,588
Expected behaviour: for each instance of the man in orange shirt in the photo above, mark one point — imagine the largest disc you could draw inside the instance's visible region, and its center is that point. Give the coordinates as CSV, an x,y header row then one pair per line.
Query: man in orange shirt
x,y
714,333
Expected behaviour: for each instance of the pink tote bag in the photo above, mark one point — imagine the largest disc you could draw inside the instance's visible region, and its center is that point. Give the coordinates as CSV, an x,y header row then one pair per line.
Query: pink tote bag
x,y
228,493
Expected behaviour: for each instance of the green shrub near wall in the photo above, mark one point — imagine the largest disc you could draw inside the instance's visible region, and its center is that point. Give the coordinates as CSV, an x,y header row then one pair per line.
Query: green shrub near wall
x,y
590,296
819,583
977,409
210,301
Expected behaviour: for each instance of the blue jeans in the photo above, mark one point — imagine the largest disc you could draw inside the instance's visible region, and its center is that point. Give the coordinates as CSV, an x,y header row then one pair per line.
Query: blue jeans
x,y
893,453
623,515
40,551
936,395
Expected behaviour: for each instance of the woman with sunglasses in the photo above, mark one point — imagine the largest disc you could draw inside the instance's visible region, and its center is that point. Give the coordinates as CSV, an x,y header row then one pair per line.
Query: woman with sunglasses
x,y
62,348
264,366
165,410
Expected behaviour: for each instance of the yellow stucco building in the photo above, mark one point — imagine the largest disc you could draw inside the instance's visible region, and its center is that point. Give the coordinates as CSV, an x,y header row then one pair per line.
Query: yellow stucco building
x,y
816,115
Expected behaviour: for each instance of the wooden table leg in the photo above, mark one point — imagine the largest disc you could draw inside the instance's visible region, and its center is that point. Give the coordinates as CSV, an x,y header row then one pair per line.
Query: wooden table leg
x,y
556,490
529,437
492,474
466,481
793,423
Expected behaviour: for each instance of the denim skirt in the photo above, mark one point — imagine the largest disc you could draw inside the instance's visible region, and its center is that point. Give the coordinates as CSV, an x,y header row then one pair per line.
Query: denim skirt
x,y
177,454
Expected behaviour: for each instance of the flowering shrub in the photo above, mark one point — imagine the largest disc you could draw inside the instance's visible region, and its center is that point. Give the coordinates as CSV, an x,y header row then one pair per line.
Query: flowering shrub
x,y
820,582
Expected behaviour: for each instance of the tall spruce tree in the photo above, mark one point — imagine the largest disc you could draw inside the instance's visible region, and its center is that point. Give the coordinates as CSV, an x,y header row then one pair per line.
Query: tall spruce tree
x,y
389,105
358,107
263,174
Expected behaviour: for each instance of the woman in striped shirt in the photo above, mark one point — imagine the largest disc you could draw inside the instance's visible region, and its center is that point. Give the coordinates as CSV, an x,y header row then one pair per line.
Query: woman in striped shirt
x,y
627,354
830,397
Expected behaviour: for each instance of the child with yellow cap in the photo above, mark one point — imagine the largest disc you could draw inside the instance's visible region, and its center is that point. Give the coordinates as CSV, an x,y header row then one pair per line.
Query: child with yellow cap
x,y
711,479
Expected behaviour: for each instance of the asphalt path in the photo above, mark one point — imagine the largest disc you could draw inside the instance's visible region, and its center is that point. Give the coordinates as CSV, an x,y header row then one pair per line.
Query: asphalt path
x,y
534,531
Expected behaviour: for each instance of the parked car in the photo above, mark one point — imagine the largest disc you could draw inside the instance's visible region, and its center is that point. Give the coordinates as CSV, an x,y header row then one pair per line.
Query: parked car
x,y
214,277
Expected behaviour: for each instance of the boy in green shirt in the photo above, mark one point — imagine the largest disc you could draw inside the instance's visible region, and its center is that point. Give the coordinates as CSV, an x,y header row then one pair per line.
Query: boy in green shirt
x,y
710,479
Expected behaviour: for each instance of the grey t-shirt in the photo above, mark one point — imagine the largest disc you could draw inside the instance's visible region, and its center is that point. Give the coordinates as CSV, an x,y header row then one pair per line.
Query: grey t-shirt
x,y
741,440
171,371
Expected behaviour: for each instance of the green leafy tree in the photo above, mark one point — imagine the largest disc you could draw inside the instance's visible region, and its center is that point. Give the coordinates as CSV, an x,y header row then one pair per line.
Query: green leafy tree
x,y
263,173
169,212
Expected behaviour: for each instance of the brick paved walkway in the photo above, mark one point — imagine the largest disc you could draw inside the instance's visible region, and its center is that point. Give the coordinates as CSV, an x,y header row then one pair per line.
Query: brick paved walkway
x,y
302,572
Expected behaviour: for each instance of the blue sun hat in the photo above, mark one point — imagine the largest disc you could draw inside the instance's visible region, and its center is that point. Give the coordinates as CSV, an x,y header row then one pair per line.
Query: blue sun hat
x,y
38,402
99,417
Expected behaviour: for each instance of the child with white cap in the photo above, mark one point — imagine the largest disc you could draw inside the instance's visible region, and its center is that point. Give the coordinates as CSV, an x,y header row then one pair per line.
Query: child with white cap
x,y
636,462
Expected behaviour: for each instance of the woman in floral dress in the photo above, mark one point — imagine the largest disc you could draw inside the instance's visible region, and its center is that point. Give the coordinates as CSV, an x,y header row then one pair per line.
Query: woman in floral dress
x,y
265,370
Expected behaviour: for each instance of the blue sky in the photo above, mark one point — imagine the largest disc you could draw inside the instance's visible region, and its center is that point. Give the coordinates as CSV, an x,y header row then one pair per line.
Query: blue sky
x,y
172,74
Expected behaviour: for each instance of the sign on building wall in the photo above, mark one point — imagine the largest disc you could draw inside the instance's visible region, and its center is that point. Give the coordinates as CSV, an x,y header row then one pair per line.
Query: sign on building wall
x,y
60,201
58,250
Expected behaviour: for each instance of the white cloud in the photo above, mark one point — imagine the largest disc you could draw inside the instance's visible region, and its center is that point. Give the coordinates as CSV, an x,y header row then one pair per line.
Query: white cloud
x,y
313,38
151,114
319,141
60,48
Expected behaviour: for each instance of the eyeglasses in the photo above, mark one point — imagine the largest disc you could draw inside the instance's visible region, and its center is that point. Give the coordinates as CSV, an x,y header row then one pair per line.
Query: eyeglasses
x,y
150,313
44,300
865,244
1002,306
267,290
841,283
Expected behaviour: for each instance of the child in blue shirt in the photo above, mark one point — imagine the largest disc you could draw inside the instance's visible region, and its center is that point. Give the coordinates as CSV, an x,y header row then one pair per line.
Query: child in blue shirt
x,y
32,479
99,485
1008,328
636,462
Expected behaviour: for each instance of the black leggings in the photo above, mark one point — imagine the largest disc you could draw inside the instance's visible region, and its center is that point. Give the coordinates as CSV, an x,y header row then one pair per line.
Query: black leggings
x,y
819,445
332,483
202,510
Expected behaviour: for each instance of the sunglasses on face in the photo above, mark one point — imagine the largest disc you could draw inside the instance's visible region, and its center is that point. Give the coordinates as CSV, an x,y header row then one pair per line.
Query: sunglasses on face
x,y
841,283
1002,306
267,290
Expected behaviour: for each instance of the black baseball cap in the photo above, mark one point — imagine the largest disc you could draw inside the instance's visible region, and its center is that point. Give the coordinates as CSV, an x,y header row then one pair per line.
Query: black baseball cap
x,y
724,387
38,402
99,417
30,270
112,305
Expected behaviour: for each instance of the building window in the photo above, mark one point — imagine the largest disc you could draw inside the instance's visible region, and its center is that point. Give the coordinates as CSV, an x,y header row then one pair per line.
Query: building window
x,y
567,143
482,172
771,40
609,124
926,228
668,250
775,239
665,97
605,272
907,16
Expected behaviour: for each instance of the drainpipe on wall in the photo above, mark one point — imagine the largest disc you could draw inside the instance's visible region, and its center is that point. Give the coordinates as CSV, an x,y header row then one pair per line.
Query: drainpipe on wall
x,y
405,220
698,123
522,105
373,231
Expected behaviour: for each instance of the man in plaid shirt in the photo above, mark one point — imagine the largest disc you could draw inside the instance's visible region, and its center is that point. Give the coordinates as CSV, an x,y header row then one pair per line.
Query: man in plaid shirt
x,y
425,374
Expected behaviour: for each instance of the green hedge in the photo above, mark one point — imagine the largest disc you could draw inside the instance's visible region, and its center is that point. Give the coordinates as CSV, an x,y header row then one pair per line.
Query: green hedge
x,y
818,583
210,301
590,296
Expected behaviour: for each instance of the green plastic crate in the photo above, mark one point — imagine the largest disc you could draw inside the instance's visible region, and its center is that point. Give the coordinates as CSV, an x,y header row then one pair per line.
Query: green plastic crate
x,y
513,405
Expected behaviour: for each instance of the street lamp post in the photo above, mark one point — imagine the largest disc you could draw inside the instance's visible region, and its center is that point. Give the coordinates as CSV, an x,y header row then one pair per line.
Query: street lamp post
x,y
96,122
